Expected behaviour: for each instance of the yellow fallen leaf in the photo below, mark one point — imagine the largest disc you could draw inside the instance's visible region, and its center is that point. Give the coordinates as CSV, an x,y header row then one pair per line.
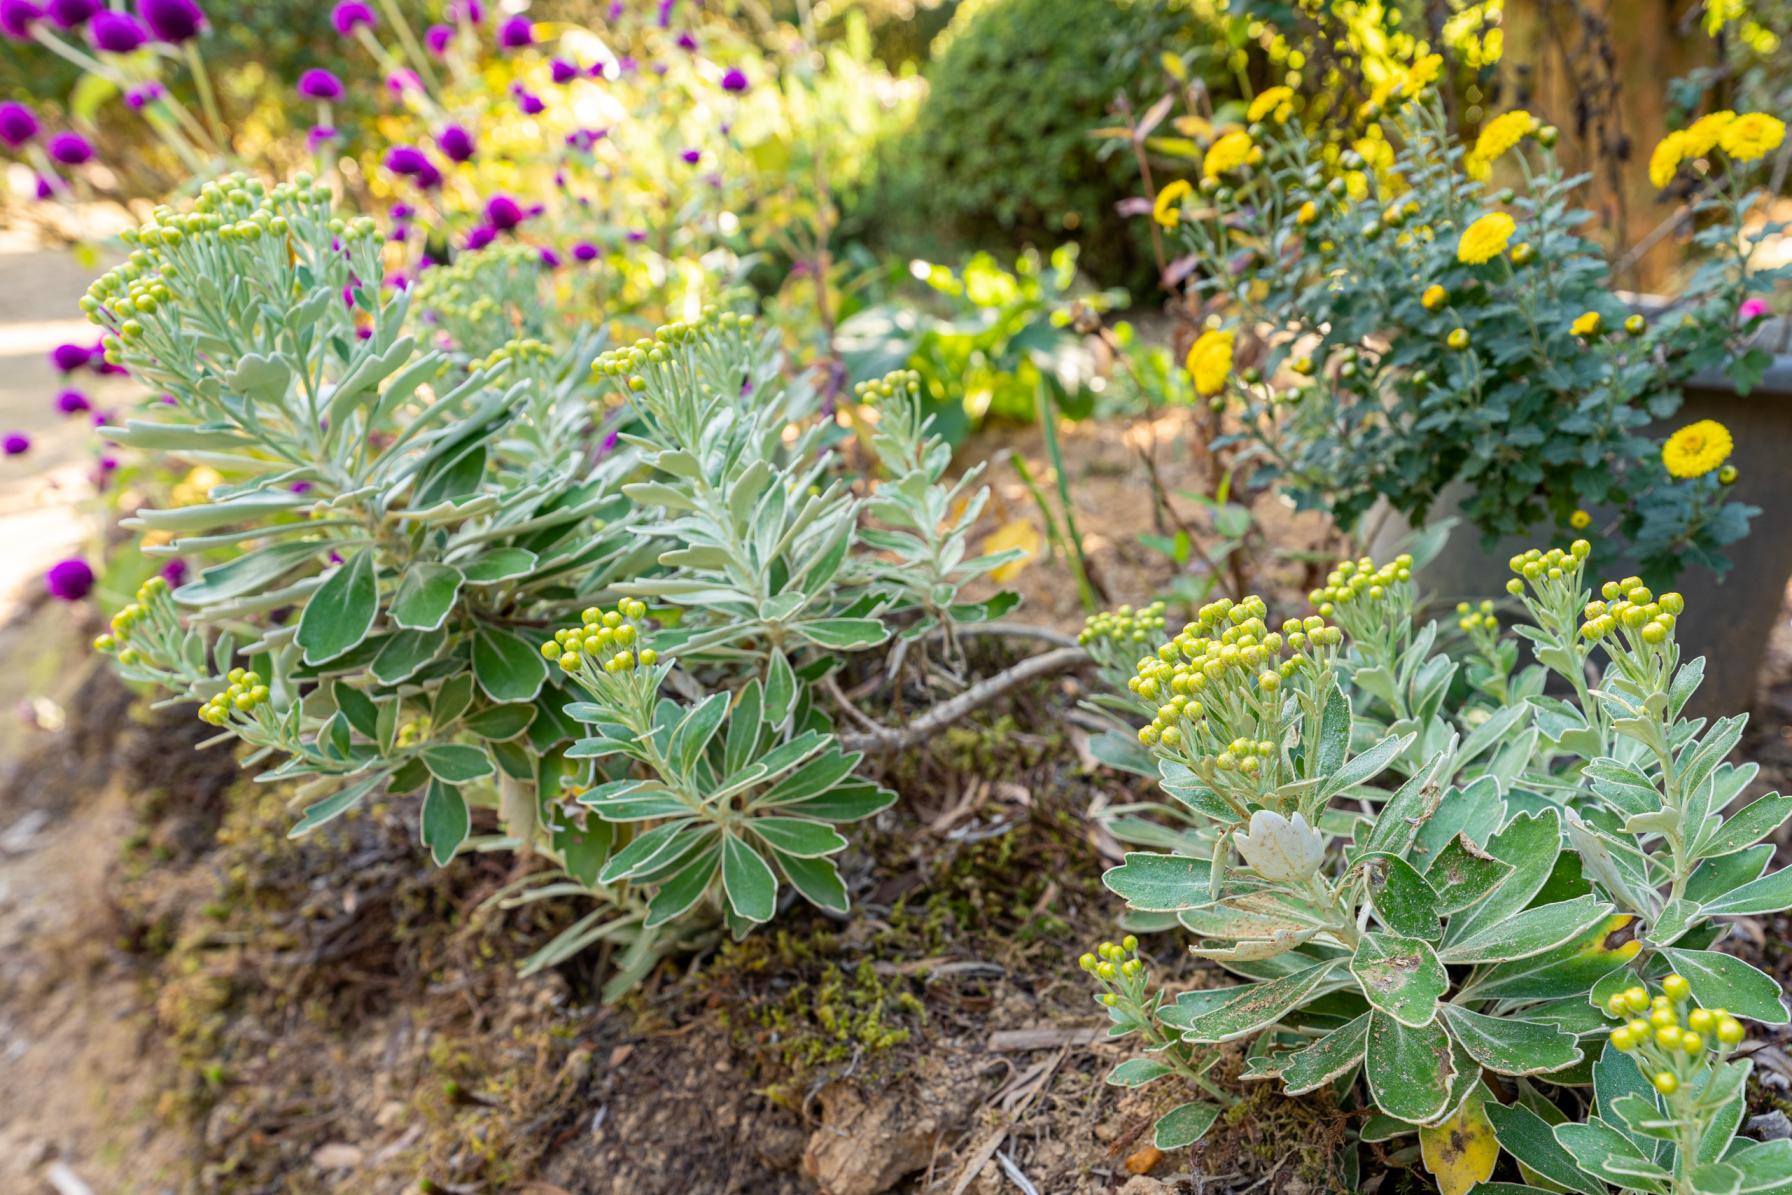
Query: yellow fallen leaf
x,y
1016,533
1462,1150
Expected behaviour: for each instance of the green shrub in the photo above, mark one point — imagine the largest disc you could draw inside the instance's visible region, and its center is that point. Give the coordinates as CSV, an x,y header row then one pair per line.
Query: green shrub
x,y
1001,153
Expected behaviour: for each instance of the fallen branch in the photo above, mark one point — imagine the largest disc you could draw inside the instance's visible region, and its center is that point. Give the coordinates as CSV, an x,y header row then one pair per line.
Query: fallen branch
x,y
889,738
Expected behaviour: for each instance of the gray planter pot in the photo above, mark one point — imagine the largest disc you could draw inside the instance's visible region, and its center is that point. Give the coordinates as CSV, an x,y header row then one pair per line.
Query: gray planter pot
x,y
1728,619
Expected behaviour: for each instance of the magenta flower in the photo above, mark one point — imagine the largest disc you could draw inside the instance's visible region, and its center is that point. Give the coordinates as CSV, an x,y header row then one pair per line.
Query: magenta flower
x,y
320,84
563,71
72,14
480,237
117,32
530,103
456,143
516,33
503,213
470,11
175,572
318,136
69,580
15,444
734,79
584,251
144,95
351,15
1751,309
637,235
71,149
687,42
172,21
549,259
72,402
17,17
47,187
693,156
18,124
407,159
69,357
437,38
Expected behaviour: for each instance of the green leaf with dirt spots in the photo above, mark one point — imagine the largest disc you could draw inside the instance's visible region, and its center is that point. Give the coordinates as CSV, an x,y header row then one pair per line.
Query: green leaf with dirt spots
x,y
1403,900
1530,932
1183,1126
1400,976
1571,969
1313,1066
1512,1046
1463,874
1530,843
1410,1070
1723,981
1245,1010
1160,883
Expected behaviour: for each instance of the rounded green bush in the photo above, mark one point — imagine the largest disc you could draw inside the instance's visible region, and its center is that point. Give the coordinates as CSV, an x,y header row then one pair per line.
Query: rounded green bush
x,y
1000,152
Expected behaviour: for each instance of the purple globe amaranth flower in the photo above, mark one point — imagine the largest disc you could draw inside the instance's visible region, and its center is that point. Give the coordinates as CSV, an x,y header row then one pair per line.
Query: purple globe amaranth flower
x,y
72,14
47,187
402,80
470,11
318,136
69,580
407,159
71,149
637,235
172,21
72,402
438,38
18,124
117,32
503,213
175,572
15,444
69,357
456,143
563,71
734,79
584,251
517,32
17,17
320,84
400,234
693,156
530,103
403,211
480,237
145,95
351,15
687,42
549,259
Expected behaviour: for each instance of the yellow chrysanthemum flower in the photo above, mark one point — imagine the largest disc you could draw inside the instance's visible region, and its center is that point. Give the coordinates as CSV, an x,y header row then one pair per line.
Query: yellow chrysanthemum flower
x,y
1580,520
1497,136
1228,153
1309,212
1434,297
1376,152
1485,239
1665,161
1697,448
1269,101
1356,185
1702,134
1167,209
1585,324
1752,135
1210,362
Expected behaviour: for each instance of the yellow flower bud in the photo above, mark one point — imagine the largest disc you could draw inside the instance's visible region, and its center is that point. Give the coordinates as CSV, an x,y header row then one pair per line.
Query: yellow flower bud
x,y
1666,1083
1676,988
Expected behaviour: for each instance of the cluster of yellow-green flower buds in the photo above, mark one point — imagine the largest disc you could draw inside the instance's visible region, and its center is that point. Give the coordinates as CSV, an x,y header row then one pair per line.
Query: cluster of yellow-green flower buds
x,y
1123,626
1633,606
1472,618
1669,1041
609,640
151,603
521,351
1225,652
631,361
1541,568
1112,963
480,286
236,209
901,381
244,693
1360,581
